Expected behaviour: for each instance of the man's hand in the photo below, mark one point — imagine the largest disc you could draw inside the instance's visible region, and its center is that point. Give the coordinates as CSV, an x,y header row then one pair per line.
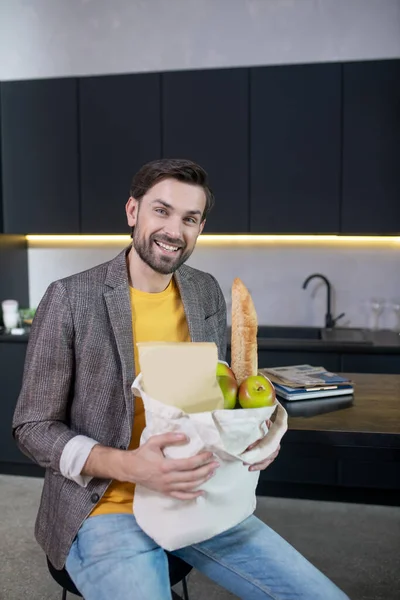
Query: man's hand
x,y
177,478
265,463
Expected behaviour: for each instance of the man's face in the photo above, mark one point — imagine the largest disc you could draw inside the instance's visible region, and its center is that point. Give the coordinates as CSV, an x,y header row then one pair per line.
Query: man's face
x,y
167,222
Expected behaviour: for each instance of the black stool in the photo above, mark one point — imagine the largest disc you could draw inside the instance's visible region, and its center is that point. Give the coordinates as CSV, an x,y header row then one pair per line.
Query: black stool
x,y
178,571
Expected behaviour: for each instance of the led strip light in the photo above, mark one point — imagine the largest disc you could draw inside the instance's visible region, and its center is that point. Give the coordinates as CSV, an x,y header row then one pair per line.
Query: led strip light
x,y
219,240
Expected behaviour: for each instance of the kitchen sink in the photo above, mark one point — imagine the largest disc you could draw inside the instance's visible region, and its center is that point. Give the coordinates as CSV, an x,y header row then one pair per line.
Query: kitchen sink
x,y
291,333
345,335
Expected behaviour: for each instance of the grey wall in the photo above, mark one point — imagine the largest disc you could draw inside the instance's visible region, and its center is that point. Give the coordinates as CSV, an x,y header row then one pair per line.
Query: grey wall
x,y
273,272
48,38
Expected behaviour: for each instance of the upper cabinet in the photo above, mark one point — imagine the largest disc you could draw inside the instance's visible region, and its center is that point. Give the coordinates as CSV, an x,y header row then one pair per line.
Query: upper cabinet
x,y
1,186
371,147
295,135
205,119
120,130
289,149
40,156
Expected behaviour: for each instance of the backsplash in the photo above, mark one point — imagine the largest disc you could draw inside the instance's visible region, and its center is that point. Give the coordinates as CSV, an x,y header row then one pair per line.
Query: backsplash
x,y
274,273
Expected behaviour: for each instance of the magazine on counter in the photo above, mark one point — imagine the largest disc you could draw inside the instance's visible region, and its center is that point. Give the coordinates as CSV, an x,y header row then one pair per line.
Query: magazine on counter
x,y
299,382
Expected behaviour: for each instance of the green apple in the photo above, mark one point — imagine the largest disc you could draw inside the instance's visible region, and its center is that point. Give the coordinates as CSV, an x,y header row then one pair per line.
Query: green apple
x,y
224,371
229,389
256,391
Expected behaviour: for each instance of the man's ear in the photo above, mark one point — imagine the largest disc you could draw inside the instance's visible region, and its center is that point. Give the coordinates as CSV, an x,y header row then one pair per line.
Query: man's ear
x,y
131,209
202,226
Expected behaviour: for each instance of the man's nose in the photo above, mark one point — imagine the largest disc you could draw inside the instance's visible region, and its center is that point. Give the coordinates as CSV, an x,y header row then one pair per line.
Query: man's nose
x,y
174,228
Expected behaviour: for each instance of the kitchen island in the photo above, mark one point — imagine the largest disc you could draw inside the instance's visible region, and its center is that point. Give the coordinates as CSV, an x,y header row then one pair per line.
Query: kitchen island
x,y
336,448
342,447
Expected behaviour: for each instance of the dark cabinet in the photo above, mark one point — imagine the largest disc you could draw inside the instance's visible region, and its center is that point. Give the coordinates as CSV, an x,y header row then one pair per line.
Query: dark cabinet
x,y
295,150
332,361
371,155
40,156
12,358
120,130
205,119
282,358
1,186
291,149
302,464
304,461
371,363
13,272
374,473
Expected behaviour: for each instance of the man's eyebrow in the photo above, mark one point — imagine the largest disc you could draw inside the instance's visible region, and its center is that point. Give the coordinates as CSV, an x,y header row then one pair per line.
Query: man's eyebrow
x,y
164,203
159,201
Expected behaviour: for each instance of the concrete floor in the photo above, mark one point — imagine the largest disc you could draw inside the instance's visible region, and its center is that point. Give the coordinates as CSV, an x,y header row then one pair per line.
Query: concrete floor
x,y
357,546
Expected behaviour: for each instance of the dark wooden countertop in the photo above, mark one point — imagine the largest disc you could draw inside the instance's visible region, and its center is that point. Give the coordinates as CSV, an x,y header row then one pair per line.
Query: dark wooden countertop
x,y
375,408
370,417
378,342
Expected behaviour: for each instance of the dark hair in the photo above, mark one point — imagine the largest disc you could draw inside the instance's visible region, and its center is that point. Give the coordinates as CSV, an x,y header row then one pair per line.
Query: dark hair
x,y
171,168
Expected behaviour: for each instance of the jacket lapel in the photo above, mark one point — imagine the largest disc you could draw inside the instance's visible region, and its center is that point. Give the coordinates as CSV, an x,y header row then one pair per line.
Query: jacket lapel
x,y
194,310
119,310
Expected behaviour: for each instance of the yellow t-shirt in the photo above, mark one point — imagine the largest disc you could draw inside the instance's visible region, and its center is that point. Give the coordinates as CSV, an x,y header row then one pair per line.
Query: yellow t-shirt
x,y
155,318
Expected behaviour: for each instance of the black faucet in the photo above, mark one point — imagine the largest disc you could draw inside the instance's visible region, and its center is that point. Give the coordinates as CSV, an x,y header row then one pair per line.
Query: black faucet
x,y
329,320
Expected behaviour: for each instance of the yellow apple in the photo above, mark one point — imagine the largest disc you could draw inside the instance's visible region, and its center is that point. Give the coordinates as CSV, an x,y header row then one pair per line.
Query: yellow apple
x,y
256,391
224,371
229,389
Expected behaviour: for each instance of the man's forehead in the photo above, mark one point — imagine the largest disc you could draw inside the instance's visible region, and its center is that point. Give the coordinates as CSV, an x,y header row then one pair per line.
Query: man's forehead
x,y
178,194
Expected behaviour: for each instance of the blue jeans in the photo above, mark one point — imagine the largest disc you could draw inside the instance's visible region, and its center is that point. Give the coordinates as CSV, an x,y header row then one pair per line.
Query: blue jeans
x,y
111,557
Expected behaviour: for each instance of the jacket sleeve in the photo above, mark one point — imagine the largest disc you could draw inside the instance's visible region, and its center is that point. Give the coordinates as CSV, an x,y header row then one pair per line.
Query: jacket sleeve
x,y
73,459
41,414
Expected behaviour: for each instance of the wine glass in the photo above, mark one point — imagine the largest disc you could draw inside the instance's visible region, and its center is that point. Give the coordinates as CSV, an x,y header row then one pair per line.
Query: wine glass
x,y
395,306
377,305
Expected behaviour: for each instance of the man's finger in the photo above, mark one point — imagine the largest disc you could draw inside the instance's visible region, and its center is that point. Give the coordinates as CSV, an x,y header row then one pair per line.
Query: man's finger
x,y
189,464
265,463
190,486
260,466
202,473
253,445
167,439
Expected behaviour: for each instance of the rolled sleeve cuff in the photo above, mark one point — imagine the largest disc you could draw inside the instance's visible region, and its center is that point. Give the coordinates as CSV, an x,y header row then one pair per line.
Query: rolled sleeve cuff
x,y
73,458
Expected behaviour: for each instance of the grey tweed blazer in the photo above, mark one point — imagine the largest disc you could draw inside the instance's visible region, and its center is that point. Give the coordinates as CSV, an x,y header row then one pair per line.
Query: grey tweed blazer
x,y
77,380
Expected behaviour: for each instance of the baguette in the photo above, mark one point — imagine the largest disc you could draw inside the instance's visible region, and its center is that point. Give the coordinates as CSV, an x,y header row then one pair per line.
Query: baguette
x,y
244,333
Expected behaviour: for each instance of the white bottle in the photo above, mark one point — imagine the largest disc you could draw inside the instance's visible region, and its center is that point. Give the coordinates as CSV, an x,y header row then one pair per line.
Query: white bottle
x,y
10,314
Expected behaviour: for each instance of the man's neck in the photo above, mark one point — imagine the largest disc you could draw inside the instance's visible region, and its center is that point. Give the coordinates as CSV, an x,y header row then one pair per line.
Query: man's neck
x,y
144,278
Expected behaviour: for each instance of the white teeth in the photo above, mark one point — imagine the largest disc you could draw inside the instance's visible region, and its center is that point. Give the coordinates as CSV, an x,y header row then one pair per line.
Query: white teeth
x,y
169,248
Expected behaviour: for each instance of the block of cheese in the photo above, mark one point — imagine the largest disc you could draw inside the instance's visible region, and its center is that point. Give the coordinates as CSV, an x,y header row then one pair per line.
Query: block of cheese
x,y
181,374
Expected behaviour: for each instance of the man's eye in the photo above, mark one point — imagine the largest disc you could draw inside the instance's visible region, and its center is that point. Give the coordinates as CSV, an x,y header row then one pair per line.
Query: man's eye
x,y
191,220
161,211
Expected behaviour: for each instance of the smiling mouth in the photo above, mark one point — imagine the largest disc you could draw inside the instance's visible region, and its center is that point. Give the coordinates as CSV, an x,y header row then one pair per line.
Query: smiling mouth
x,y
167,247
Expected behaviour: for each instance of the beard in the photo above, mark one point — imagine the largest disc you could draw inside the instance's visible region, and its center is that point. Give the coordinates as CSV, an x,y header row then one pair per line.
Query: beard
x,y
149,253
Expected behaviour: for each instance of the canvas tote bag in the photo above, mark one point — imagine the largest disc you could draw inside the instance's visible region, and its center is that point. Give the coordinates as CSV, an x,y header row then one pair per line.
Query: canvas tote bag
x,y
230,494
